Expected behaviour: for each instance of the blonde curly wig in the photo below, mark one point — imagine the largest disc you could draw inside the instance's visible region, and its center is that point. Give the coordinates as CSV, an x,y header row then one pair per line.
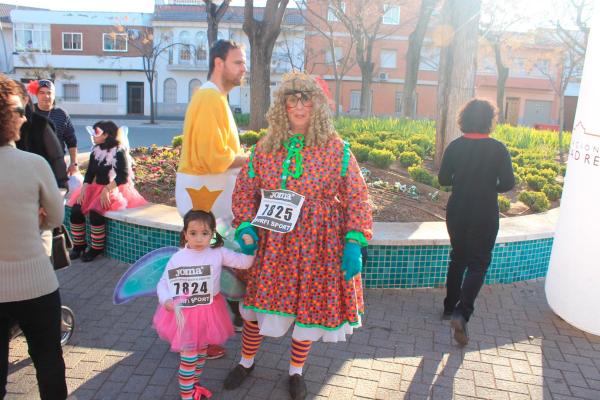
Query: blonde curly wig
x,y
320,129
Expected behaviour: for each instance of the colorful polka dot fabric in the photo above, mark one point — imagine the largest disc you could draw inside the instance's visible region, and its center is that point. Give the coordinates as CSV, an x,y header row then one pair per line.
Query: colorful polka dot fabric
x,y
299,273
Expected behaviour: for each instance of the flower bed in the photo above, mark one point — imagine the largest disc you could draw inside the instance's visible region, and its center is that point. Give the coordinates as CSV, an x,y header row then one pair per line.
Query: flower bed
x,y
395,155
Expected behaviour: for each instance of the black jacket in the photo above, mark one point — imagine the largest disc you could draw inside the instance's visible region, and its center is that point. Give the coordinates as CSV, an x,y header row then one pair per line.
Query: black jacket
x,y
37,136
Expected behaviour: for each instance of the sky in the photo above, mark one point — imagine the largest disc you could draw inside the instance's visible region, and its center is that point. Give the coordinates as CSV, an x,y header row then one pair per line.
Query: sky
x,y
529,10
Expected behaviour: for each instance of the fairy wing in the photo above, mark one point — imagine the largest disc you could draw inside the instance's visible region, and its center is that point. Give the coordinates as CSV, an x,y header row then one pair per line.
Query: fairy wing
x,y
143,275
124,138
91,132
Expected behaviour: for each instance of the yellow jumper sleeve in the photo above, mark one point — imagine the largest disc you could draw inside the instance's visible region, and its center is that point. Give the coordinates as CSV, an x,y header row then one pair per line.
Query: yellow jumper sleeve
x,y
210,137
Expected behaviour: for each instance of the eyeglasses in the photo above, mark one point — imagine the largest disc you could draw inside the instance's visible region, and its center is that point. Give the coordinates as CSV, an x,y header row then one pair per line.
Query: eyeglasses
x,y
20,111
291,100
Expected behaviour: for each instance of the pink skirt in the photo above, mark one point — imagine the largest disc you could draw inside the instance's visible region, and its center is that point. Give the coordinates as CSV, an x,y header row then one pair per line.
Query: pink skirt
x,y
126,196
203,325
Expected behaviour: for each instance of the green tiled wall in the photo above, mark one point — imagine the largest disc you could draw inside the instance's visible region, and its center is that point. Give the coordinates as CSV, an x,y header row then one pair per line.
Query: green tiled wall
x,y
386,267
425,266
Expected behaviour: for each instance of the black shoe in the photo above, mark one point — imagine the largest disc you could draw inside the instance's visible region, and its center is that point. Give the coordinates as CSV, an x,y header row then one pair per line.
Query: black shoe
x,y
447,315
236,377
90,255
459,325
297,387
76,252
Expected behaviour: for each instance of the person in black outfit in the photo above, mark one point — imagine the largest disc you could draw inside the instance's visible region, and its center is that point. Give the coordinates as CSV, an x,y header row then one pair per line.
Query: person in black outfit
x,y
37,136
478,168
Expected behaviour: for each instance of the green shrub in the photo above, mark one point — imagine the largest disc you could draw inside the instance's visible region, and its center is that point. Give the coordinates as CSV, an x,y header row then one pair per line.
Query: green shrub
x,y
423,142
550,165
503,203
420,174
537,201
535,182
381,158
553,191
395,146
360,151
417,149
563,170
409,158
367,139
177,141
514,152
548,174
249,138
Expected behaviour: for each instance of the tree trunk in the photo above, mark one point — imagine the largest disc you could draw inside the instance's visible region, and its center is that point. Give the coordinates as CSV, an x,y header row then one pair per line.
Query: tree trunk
x,y
366,73
260,78
262,36
338,93
413,58
458,65
561,125
501,83
152,105
213,16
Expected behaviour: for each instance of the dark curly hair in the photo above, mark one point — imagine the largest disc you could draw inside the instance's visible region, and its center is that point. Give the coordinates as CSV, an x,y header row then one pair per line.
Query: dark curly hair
x,y
477,116
9,130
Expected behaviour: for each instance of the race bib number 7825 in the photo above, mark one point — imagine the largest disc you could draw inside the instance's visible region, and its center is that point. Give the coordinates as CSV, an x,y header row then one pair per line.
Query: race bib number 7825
x,y
279,210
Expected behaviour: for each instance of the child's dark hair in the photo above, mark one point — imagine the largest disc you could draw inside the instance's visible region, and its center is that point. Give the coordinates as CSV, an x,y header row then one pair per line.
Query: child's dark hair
x,y
206,218
112,130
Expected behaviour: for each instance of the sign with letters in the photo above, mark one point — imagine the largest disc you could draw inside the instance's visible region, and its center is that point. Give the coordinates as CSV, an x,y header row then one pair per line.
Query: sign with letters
x,y
193,285
279,210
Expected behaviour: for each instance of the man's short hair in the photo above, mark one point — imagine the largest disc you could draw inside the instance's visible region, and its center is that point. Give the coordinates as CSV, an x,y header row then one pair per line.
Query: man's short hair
x,y
477,116
220,49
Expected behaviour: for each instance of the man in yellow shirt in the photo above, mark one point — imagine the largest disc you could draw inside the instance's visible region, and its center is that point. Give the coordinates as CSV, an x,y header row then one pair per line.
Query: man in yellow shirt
x,y
211,155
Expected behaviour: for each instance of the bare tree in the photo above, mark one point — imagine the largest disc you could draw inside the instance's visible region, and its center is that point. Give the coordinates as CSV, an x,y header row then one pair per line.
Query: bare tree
x,y
214,14
150,49
262,34
497,40
458,35
341,61
363,22
413,57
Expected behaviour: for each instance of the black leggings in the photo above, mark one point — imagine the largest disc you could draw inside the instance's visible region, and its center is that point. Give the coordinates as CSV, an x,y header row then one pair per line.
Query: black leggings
x,y
78,217
40,321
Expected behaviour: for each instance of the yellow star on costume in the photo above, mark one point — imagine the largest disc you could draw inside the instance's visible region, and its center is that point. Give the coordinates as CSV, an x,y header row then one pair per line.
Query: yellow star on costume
x,y
203,199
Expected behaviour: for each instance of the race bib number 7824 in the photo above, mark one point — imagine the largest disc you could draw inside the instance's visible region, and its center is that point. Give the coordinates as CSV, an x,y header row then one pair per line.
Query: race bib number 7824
x,y
193,285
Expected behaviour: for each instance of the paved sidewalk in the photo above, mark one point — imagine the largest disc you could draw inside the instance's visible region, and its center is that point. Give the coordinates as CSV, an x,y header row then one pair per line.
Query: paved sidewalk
x,y
519,350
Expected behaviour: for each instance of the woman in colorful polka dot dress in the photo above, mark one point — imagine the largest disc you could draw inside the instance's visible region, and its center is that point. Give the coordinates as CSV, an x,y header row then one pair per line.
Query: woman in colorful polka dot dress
x,y
304,200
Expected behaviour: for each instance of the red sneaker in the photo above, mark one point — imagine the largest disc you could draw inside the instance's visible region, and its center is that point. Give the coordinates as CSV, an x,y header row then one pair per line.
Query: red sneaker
x,y
201,392
214,352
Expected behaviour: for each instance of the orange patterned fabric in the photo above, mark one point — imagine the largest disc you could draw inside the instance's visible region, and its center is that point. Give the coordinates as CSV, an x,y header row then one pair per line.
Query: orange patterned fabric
x,y
299,273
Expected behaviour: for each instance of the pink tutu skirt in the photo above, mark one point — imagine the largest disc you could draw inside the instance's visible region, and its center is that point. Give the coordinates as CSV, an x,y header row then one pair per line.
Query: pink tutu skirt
x,y
203,325
126,196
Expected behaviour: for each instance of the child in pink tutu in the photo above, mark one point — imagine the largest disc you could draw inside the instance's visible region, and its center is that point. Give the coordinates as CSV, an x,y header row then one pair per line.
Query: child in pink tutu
x,y
192,312
107,186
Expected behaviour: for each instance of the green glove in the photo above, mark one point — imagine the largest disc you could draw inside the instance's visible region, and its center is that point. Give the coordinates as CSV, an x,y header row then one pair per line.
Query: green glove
x,y
352,260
